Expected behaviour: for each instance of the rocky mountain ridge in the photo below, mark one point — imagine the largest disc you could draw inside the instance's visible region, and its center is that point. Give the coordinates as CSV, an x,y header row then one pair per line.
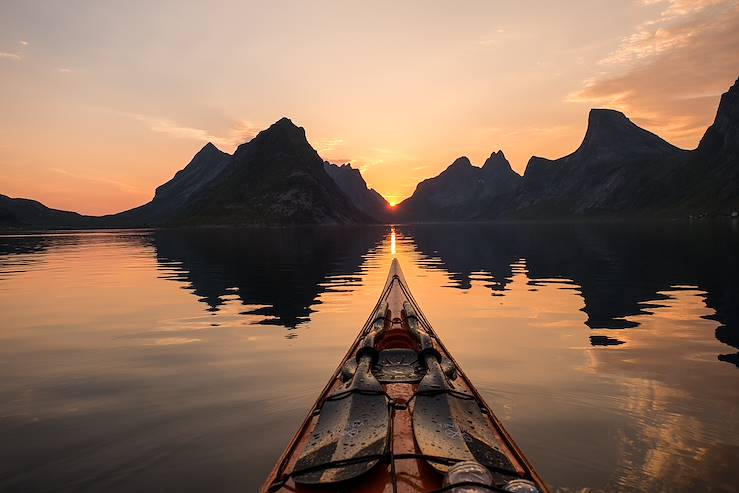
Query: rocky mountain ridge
x,y
351,182
458,192
277,178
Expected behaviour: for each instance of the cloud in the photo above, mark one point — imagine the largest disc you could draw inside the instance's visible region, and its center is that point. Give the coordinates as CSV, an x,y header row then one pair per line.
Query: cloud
x,y
669,74
328,145
677,25
124,187
9,56
240,132
494,39
372,157
64,70
24,43
646,43
675,8
378,156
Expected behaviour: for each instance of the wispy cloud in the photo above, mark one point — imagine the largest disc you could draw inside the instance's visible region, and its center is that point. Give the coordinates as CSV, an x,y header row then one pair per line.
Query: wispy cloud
x,y
498,36
7,55
243,131
240,132
378,156
672,68
328,145
650,42
64,70
677,25
124,187
675,8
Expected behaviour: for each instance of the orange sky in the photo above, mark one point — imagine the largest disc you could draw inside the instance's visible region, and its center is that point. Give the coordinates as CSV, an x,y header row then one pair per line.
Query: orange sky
x,y
102,103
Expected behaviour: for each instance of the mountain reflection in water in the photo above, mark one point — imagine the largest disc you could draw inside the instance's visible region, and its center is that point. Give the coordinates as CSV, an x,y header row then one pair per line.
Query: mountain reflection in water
x,y
279,273
622,270
140,360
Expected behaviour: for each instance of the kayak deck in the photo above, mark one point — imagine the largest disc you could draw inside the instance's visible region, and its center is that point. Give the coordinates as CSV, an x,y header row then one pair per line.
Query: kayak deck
x,y
396,414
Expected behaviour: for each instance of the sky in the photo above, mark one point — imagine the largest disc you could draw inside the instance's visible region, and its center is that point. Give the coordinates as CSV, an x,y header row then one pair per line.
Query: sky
x,y
101,101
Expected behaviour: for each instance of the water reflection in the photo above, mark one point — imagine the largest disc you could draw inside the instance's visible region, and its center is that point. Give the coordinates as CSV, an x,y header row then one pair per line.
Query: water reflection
x,y
143,360
277,273
622,270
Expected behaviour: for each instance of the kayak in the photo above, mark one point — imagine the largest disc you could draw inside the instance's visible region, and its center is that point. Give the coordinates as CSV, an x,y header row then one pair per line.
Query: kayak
x,y
399,416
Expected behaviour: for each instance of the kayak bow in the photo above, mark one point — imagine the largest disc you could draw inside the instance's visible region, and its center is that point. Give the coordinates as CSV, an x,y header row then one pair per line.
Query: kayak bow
x,y
399,415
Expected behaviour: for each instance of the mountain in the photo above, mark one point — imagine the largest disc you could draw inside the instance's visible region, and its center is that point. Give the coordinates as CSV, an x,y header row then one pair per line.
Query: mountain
x,y
615,170
623,170
350,182
460,191
175,195
30,214
619,170
709,182
499,177
276,178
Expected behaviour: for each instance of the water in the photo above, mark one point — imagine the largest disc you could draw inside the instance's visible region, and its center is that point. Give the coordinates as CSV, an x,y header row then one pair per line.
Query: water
x,y
185,360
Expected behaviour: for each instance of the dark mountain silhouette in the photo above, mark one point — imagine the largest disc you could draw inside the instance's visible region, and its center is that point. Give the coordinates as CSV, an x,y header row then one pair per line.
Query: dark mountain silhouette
x,y
30,214
609,173
461,191
619,170
276,178
625,171
366,199
498,174
709,180
175,196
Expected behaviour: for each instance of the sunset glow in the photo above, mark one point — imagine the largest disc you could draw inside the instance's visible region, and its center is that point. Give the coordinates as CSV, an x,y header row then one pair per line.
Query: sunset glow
x,y
104,102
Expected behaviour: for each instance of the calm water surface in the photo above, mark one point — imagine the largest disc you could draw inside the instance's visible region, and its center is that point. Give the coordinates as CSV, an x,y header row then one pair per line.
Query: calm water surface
x,y
185,360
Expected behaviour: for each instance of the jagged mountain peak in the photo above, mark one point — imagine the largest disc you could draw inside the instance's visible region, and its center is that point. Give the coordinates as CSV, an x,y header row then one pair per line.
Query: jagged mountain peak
x,y
205,166
496,161
287,124
209,147
728,107
497,154
351,182
348,167
723,135
611,133
283,135
605,115
208,151
604,124
284,127
461,162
